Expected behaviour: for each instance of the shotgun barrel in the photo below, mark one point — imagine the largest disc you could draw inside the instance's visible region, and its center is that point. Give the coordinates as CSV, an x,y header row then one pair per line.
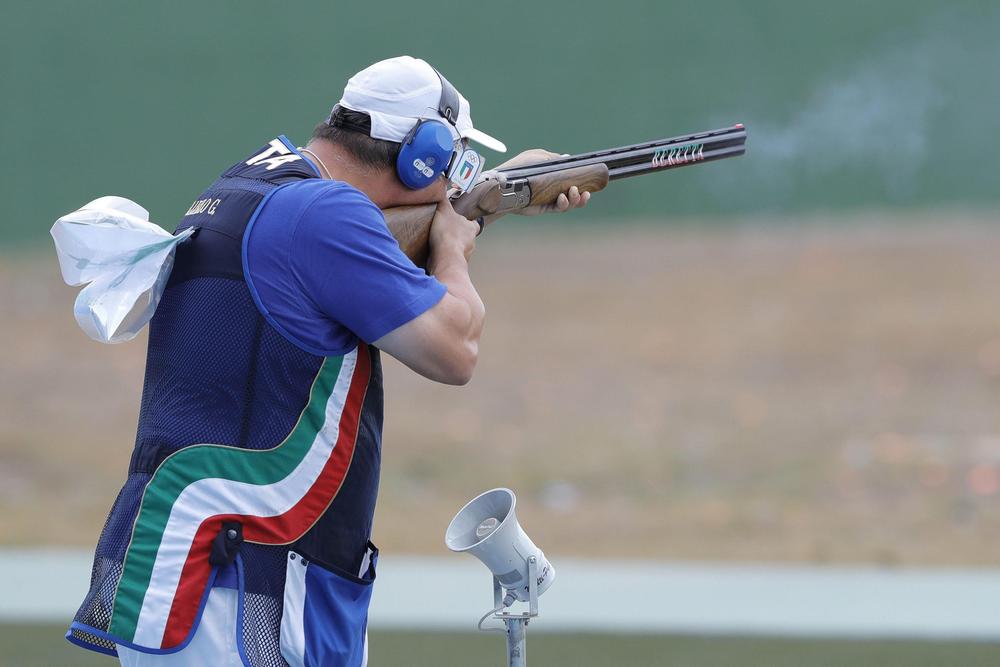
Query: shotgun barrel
x,y
650,156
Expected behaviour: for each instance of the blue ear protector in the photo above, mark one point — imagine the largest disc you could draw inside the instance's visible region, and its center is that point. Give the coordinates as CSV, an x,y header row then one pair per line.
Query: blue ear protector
x,y
428,149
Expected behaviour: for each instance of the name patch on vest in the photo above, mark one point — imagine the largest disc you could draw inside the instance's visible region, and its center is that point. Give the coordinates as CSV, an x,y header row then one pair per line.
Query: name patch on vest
x,y
203,206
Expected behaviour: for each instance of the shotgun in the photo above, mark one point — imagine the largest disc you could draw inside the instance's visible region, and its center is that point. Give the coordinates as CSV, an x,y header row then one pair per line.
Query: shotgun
x,y
540,183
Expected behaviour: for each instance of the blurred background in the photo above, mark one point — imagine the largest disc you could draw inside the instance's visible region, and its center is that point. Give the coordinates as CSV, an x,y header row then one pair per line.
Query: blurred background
x,y
789,359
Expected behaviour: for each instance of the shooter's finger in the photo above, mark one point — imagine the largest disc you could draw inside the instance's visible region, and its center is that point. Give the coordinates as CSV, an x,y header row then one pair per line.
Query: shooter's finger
x,y
574,196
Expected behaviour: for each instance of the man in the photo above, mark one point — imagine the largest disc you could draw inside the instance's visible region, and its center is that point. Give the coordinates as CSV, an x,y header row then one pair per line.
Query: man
x,y
241,536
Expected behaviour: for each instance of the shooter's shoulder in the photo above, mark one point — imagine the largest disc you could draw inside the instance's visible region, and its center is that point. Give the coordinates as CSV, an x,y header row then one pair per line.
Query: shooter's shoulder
x,y
317,200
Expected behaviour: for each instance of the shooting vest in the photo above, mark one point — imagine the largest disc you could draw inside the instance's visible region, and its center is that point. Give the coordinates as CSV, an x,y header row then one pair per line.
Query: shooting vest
x,y
251,454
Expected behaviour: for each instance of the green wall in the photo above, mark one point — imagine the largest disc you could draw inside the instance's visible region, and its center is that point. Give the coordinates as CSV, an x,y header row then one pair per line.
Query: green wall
x,y
849,104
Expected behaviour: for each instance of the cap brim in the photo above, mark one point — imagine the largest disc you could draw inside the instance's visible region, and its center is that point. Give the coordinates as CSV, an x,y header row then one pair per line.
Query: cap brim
x,y
484,139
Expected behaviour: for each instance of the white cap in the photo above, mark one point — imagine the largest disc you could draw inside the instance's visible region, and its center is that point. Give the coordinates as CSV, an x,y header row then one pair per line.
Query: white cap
x,y
398,92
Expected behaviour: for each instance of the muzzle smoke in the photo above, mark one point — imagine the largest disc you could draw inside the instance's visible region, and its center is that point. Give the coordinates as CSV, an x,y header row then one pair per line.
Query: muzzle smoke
x,y
899,117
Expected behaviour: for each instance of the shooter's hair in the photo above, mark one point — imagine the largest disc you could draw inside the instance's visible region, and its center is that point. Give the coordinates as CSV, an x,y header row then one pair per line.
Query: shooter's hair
x,y
350,130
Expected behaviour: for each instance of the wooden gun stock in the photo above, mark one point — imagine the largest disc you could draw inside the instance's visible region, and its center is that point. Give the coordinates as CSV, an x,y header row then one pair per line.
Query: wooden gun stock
x,y
411,225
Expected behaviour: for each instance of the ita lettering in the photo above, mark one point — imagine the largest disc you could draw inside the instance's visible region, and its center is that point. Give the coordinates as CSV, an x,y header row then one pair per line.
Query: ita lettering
x,y
275,155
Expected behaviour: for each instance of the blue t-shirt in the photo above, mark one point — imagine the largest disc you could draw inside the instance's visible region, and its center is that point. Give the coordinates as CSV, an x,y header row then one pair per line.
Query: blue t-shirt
x,y
325,271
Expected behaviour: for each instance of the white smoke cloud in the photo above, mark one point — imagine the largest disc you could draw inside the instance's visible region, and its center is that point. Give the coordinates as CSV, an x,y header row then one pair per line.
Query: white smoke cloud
x,y
882,113
879,116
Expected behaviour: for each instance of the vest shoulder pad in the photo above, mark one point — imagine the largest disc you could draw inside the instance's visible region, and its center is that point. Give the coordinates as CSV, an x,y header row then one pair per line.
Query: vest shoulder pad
x,y
275,162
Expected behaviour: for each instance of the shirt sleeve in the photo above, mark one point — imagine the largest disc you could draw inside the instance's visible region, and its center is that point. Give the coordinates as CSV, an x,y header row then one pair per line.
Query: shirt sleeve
x,y
351,267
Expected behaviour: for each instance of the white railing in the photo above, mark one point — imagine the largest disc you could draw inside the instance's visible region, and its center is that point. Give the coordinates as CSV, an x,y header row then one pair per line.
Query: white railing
x,y
451,593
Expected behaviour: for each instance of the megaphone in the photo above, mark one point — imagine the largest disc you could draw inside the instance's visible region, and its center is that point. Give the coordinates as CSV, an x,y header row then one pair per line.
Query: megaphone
x,y
488,529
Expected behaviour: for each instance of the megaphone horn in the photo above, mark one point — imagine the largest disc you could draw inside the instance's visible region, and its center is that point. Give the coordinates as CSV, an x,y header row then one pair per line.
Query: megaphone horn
x,y
488,529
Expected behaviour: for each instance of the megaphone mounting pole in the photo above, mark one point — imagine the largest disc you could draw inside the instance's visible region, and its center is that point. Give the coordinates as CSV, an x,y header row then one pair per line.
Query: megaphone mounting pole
x,y
517,624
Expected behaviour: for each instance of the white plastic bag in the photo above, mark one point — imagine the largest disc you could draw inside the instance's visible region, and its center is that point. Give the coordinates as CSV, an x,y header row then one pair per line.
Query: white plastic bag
x,y
111,244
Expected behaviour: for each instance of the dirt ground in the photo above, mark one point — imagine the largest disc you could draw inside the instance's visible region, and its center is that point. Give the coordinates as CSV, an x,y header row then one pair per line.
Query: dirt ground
x,y
825,391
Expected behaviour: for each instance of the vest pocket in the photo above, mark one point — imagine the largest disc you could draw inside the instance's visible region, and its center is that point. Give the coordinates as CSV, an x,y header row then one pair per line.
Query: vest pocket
x,y
325,612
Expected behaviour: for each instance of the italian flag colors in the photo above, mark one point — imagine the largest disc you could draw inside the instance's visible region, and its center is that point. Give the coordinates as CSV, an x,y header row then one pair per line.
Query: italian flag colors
x,y
277,494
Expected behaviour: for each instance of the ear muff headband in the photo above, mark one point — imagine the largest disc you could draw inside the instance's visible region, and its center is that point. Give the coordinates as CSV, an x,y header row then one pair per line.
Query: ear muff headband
x,y
429,147
449,104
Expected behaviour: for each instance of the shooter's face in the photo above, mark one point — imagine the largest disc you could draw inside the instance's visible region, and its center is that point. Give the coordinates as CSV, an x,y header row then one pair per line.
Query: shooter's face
x,y
401,195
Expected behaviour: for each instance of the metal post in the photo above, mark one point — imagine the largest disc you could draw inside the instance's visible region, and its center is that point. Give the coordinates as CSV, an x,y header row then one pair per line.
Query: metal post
x,y
516,646
517,626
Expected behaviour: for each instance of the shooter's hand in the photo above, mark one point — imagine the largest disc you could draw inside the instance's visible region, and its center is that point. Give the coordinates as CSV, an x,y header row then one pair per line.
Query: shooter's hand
x,y
451,234
570,199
